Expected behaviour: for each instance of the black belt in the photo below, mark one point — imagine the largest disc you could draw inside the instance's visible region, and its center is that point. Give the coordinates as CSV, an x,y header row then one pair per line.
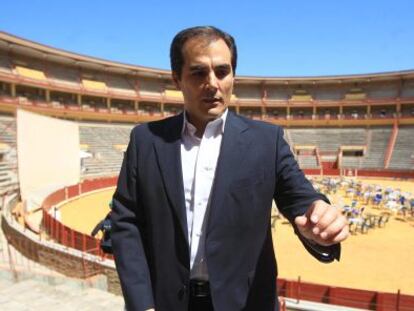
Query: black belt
x,y
199,288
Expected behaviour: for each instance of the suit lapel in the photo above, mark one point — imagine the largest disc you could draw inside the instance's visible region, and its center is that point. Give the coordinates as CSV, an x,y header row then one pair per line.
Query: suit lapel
x,y
167,148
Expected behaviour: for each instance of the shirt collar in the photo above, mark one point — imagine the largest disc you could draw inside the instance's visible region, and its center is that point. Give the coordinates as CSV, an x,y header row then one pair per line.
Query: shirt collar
x,y
212,126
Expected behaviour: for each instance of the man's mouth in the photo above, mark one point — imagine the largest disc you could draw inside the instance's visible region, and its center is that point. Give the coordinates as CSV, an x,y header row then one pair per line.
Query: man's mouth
x,y
212,100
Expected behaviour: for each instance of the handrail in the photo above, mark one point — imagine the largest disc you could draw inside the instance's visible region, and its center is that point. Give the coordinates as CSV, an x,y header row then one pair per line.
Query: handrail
x,y
390,146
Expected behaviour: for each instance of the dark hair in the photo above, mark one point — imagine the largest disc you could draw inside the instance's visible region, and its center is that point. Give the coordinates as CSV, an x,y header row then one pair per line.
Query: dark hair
x,y
210,33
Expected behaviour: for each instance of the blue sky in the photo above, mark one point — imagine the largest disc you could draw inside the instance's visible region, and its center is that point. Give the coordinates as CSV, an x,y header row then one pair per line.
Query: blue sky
x,y
275,38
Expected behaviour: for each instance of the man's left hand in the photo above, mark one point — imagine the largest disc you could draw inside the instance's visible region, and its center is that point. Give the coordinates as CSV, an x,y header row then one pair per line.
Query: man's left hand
x,y
323,224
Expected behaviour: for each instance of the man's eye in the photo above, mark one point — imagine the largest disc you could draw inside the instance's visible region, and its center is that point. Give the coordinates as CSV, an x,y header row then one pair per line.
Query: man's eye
x,y
198,73
222,73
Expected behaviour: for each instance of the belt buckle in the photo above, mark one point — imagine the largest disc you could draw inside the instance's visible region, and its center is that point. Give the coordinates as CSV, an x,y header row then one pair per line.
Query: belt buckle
x,y
199,289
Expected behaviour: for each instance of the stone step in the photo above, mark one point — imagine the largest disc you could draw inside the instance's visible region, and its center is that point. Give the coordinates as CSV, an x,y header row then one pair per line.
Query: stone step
x,y
35,295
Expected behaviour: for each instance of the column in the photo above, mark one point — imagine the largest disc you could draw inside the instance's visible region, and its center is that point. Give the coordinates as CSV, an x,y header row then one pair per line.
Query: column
x,y
136,106
13,90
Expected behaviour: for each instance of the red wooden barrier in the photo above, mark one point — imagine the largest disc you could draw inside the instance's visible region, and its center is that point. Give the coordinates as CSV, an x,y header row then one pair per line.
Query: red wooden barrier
x,y
349,297
363,173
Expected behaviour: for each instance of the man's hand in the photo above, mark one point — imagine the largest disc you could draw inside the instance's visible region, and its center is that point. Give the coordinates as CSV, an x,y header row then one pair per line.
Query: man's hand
x,y
323,224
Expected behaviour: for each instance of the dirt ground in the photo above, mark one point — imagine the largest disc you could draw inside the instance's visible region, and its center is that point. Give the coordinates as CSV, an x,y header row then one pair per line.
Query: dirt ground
x,y
83,213
381,260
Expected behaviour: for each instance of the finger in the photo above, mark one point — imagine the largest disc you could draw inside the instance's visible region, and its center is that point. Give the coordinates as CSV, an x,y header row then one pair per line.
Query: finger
x,y
341,236
304,225
301,221
330,215
316,210
334,228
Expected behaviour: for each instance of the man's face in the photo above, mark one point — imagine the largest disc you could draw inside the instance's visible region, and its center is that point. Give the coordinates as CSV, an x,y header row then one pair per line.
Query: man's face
x,y
206,79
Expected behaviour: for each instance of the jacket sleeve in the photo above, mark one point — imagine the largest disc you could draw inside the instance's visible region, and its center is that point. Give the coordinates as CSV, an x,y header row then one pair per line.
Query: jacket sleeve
x,y
128,230
294,194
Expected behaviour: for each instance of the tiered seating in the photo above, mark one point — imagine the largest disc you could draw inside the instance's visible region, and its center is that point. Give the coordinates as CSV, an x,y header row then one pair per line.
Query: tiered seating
x,y
307,161
120,84
150,87
8,165
276,94
385,90
352,162
65,76
403,154
103,142
377,145
328,140
5,63
328,93
407,89
248,92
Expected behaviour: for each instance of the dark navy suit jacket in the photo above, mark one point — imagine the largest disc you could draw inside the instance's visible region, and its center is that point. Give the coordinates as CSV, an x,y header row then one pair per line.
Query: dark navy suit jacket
x,y
150,239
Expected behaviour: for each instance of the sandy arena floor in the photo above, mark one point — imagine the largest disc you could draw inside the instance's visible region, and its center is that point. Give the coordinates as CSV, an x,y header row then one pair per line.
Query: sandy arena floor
x,y
381,260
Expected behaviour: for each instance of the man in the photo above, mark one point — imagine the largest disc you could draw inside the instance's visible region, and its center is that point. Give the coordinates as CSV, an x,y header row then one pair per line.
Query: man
x,y
191,214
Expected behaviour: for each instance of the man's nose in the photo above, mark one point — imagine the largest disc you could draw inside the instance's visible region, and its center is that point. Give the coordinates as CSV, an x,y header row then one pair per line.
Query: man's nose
x,y
212,81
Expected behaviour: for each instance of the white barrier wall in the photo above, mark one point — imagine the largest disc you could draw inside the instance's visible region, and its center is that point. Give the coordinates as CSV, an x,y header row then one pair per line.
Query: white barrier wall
x,y
48,153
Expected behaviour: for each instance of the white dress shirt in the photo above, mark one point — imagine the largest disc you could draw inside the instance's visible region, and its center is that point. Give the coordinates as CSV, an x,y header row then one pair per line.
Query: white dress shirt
x,y
199,160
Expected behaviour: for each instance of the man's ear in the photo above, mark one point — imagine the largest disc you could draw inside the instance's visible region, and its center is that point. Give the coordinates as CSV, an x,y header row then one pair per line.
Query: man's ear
x,y
176,80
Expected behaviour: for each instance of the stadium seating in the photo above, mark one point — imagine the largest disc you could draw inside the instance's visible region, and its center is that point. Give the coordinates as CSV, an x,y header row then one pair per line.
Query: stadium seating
x,y
5,63
307,161
407,89
103,142
377,144
328,140
120,84
248,92
8,164
403,154
64,76
380,91
150,87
